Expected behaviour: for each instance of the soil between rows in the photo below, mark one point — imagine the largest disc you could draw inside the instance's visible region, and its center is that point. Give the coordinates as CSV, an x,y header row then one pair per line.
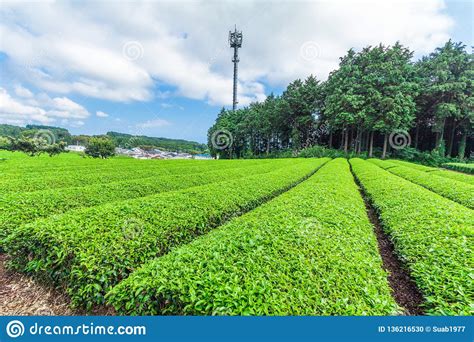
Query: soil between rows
x,y
404,290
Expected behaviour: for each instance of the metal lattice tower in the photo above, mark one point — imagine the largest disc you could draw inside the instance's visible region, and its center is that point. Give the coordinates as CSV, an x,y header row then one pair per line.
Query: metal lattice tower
x,y
235,41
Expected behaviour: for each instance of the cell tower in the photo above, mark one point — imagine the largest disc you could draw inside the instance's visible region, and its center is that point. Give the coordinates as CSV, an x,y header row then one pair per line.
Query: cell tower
x,y
235,41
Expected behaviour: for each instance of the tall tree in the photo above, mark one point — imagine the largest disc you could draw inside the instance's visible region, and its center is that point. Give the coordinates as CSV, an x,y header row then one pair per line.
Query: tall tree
x,y
447,76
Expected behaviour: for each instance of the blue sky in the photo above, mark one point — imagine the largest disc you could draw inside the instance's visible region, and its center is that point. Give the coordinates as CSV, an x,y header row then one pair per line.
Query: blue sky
x,y
164,68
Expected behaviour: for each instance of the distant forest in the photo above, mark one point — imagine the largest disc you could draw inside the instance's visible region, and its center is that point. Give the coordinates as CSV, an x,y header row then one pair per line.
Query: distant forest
x,y
120,139
374,94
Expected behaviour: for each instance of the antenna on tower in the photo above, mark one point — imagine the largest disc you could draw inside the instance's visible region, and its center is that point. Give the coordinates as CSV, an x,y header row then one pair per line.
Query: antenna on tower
x,y
235,41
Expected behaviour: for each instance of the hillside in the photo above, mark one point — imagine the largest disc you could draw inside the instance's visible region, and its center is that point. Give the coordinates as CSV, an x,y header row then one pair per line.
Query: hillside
x,y
120,139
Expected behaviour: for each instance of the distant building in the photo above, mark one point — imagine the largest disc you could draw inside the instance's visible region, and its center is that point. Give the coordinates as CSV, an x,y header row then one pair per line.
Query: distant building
x,y
138,153
75,148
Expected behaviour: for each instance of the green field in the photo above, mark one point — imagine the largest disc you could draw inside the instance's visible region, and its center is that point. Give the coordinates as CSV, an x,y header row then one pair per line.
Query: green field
x,y
467,168
238,237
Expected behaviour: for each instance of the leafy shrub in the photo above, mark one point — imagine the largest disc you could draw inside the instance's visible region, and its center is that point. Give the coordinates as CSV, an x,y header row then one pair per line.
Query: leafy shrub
x,y
435,171
431,234
454,190
84,177
88,251
20,208
433,158
310,251
100,147
321,151
461,167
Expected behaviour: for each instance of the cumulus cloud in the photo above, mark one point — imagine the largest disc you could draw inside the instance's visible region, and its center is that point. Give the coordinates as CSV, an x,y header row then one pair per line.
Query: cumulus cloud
x,y
101,114
124,51
39,108
23,92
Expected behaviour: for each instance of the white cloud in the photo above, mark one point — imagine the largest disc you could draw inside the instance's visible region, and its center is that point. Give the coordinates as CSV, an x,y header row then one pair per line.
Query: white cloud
x,y
39,108
23,92
101,114
155,123
71,48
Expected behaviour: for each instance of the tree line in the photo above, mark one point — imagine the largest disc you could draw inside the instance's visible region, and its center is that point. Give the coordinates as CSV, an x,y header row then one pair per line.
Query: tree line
x,y
376,95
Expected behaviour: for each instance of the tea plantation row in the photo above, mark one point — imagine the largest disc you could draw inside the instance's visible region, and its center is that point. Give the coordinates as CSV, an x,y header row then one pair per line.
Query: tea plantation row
x,y
238,237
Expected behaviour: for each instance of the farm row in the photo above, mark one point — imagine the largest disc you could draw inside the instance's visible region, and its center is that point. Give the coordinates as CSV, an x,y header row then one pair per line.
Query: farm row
x,y
467,168
259,237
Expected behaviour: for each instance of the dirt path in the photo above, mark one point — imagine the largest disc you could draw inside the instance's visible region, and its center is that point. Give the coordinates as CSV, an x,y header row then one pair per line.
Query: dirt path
x,y
20,295
404,290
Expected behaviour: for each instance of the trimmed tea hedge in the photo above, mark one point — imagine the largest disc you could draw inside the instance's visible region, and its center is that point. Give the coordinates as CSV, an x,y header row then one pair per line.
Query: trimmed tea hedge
x,y
431,234
89,250
20,208
415,166
467,168
438,172
310,251
456,191
55,180
39,168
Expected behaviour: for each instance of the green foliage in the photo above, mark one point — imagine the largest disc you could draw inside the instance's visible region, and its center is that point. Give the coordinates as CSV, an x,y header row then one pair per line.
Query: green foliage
x,y
432,235
100,147
280,259
120,139
432,158
23,207
88,251
447,80
33,146
461,167
60,134
321,151
279,123
372,94
10,131
454,190
439,172
82,176
5,143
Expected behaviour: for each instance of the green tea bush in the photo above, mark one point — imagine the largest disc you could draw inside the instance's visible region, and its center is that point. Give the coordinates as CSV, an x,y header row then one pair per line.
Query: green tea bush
x,y
432,235
456,191
461,167
88,251
56,180
435,171
310,251
20,208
